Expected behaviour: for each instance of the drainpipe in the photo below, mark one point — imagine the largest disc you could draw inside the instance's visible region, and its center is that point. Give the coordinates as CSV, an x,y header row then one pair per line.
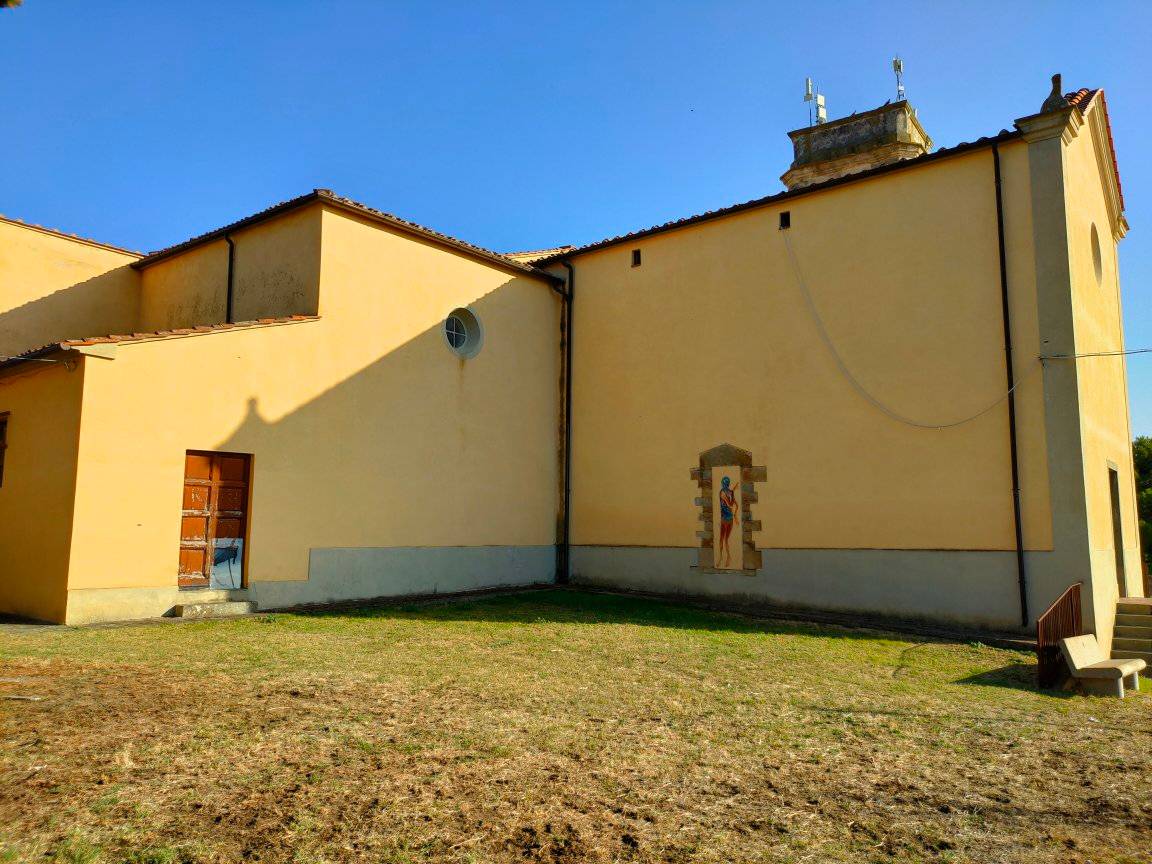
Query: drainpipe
x,y
1021,575
564,552
231,266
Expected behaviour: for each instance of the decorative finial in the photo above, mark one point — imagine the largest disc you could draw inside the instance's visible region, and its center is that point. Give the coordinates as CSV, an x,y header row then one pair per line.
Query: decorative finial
x,y
1055,100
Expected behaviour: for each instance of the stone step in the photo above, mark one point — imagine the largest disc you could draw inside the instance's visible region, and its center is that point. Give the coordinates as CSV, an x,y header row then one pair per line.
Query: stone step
x,y
217,609
1125,631
1126,620
1132,644
1134,606
1124,653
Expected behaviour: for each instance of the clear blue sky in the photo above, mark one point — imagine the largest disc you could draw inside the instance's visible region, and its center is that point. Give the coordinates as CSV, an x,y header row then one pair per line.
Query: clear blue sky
x,y
517,125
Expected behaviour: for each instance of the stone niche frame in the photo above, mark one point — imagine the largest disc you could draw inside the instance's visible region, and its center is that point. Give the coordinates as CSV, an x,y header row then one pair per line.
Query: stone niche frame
x,y
750,475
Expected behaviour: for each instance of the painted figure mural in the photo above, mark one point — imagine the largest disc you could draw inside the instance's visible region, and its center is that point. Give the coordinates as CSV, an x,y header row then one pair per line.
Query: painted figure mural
x,y
729,515
724,504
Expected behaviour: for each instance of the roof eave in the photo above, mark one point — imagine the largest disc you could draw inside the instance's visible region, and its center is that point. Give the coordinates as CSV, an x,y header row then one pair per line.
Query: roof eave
x,y
105,346
64,235
787,195
329,199
220,233
29,356
1100,125
437,239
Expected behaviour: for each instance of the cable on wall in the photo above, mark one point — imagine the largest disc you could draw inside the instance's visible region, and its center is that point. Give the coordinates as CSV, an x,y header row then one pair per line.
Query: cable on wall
x,y
855,382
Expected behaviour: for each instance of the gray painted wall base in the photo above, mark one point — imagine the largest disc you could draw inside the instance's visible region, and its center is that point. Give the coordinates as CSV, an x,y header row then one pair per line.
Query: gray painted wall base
x,y
361,573
974,588
338,575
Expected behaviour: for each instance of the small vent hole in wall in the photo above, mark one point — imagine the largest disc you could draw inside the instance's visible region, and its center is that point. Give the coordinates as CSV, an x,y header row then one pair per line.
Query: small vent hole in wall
x,y
635,257
785,219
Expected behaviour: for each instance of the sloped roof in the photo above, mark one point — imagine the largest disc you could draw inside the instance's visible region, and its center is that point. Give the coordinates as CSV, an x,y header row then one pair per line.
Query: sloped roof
x,y
532,255
56,232
1081,99
329,197
964,147
67,344
527,261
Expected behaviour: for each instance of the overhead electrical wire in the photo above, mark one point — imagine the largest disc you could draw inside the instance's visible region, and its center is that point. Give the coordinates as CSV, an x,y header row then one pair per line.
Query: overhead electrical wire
x,y
843,366
1124,353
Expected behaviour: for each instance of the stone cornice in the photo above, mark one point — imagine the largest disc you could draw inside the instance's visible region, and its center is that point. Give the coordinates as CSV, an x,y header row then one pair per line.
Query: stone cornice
x,y
1098,127
1064,124
812,173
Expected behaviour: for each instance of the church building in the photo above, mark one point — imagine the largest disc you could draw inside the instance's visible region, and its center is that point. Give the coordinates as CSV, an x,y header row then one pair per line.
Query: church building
x,y
893,388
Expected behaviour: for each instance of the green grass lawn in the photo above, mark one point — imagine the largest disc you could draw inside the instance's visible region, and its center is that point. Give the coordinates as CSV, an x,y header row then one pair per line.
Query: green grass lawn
x,y
554,726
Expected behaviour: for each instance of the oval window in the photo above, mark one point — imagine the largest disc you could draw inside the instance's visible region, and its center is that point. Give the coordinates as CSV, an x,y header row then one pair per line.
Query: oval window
x,y
1097,262
463,333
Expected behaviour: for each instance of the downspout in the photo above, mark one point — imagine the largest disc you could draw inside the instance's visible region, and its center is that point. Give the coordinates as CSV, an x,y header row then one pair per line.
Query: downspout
x,y
1006,315
231,267
564,552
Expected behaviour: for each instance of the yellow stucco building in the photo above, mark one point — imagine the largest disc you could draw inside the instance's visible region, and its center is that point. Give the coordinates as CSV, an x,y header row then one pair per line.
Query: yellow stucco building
x,y
867,392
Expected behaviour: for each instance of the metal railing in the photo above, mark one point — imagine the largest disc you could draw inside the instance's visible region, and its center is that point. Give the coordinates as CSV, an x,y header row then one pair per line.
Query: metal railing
x,y
1059,621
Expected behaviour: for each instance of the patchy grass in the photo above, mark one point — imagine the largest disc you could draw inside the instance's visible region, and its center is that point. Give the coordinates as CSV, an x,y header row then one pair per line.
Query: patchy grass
x,y
554,726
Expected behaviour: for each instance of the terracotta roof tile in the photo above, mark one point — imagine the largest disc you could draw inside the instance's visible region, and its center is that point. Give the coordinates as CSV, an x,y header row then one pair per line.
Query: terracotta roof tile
x,y
64,234
1081,99
330,197
1003,135
197,330
532,255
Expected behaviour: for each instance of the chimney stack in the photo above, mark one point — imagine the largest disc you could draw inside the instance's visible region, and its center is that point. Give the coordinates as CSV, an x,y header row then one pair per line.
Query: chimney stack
x,y
852,144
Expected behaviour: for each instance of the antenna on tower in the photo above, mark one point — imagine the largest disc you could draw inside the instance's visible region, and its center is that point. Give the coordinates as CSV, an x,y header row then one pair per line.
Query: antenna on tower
x,y
898,68
816,100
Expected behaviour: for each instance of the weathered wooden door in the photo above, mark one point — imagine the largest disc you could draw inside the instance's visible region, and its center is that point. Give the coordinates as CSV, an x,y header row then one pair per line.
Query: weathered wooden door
x,y
214,521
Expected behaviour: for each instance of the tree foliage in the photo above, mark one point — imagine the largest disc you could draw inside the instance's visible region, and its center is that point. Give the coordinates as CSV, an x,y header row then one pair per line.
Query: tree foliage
x,y
1142,458
8,4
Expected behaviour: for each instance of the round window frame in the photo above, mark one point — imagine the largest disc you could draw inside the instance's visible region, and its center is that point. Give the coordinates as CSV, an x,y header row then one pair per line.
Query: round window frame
x,y
1097,255
473,333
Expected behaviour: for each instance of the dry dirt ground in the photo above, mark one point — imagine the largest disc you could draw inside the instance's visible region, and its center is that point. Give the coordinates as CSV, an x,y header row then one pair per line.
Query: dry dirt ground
x,y
554,726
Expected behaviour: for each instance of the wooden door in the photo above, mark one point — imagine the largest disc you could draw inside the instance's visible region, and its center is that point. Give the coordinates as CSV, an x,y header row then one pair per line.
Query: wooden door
x,y
214,520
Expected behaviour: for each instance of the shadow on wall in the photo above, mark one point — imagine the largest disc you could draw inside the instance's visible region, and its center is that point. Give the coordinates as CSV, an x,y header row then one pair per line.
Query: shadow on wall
x,y
418,448
105,304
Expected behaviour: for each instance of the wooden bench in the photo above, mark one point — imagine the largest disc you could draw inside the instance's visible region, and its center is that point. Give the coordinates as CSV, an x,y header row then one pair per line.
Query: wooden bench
x,y
1090,667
